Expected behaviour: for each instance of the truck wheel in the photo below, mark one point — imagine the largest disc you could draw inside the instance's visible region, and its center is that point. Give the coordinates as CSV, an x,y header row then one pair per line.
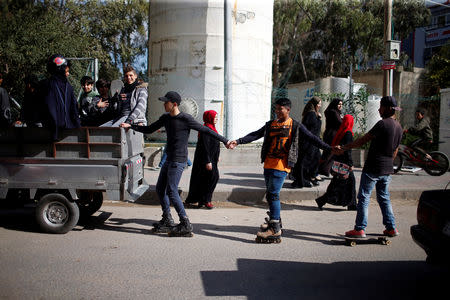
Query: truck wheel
x,y
89,203
56,214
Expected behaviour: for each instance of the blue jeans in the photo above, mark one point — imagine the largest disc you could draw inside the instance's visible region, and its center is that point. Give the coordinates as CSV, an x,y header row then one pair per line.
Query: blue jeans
x,y
167,187
274,182
366,185
164,157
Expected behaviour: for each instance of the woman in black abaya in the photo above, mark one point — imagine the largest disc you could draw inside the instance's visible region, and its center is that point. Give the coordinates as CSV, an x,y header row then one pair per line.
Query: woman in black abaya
x,y
333,121
305,170
205,173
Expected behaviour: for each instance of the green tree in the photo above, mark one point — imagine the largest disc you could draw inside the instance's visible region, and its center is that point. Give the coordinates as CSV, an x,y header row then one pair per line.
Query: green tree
x,y
31,31
334,35
293,26
120,27
437,74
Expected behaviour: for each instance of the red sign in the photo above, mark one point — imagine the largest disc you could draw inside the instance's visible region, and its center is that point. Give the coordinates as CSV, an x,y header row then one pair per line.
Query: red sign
x,y
388,65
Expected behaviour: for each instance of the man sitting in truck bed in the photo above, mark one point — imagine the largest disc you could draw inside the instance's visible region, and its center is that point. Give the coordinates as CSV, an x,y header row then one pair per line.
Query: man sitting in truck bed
x,y
132,103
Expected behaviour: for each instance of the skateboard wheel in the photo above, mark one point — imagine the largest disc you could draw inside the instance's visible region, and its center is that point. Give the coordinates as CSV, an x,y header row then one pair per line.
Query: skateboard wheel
x,y
352,244
387,242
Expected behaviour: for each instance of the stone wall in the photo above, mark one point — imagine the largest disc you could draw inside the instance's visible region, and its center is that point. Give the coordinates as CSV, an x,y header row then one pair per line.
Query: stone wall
x,y
405,90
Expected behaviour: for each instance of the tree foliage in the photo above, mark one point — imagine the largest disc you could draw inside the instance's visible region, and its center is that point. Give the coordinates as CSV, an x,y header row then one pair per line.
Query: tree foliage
x,y
31,31
315,39
437,74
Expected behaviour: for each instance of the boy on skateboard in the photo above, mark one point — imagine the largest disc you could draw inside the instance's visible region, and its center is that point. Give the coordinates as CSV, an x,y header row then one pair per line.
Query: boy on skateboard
x,y
279,154
178,126
385,138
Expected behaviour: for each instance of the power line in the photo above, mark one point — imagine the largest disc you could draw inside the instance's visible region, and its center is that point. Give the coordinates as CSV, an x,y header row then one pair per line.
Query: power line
x,y
440,4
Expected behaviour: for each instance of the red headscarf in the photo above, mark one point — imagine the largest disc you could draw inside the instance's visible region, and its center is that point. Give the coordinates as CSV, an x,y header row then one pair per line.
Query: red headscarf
x,y
208,118
346,125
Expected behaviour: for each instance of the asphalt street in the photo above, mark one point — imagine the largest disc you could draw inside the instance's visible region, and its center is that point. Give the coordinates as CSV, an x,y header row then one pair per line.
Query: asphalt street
x,y
113,255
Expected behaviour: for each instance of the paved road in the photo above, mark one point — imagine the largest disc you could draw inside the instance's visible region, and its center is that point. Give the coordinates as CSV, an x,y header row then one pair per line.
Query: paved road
x,y
113,256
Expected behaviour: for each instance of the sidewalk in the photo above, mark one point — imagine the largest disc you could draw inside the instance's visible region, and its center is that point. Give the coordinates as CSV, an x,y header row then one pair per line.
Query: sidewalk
x,y
245,185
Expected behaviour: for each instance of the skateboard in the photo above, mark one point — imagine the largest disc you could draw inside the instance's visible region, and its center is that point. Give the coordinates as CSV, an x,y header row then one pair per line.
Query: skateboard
x,y
369,239
274,240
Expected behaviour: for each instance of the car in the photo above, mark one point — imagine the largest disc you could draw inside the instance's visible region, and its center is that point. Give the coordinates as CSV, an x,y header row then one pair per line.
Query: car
x,y
432,232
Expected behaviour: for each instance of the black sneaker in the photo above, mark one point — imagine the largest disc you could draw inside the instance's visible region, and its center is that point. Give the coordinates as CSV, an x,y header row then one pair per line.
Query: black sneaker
x,y
164,225
183,229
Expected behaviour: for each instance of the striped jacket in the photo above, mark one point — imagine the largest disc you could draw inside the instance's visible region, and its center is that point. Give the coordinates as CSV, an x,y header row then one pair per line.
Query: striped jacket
x,y
138,105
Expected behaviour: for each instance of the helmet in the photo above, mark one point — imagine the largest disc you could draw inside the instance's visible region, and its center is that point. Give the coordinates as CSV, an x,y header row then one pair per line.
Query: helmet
x,y
56,64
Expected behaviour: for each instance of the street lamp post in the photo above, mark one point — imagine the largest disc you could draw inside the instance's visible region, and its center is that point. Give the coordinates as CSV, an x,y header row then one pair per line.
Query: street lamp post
x,y
387,91
228,71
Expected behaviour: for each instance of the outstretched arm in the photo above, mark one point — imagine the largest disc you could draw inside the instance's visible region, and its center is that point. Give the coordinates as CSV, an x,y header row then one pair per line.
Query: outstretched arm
x,y
305,133
145,129
193,124
358,142
252,136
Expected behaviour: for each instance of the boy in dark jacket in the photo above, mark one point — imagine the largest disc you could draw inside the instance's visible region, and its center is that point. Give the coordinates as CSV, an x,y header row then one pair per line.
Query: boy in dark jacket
x,y
279,154
178,126
59,99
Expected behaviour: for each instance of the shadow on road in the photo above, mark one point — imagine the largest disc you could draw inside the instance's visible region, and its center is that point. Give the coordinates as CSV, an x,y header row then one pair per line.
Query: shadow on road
x,y
230,232
23,220
268,279
20,219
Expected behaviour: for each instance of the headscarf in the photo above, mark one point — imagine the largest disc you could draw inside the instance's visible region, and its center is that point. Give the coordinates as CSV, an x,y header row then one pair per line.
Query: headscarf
x,y
208,118
346,125
334,105
311,106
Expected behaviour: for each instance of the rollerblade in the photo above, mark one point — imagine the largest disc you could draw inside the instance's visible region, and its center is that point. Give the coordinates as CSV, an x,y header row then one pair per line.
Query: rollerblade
x,y
265,225
271,235
165,225
183,229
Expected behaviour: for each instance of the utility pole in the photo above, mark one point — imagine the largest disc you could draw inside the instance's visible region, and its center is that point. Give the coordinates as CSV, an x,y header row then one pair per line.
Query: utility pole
x,y
228,95
386,39
149,46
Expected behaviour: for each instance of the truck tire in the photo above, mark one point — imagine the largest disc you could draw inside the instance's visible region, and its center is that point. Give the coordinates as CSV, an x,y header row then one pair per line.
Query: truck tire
x,y
89,202
56,214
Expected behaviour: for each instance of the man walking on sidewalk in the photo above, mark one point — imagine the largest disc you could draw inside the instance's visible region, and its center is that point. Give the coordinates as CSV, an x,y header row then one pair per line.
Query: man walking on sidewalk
x,y
385,138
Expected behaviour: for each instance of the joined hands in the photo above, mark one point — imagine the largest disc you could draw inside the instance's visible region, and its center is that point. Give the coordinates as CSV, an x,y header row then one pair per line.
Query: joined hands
x,y
231,144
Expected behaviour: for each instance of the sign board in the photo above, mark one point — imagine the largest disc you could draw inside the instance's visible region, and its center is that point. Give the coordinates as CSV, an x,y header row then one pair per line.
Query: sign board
x,y
437,34
393,50
388,65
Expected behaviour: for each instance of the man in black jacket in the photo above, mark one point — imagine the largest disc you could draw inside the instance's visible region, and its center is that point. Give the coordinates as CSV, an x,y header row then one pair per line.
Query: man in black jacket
x,y
178,126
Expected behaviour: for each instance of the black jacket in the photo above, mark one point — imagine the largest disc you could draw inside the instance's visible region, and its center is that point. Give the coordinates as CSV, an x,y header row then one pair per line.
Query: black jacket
x,y
299,132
